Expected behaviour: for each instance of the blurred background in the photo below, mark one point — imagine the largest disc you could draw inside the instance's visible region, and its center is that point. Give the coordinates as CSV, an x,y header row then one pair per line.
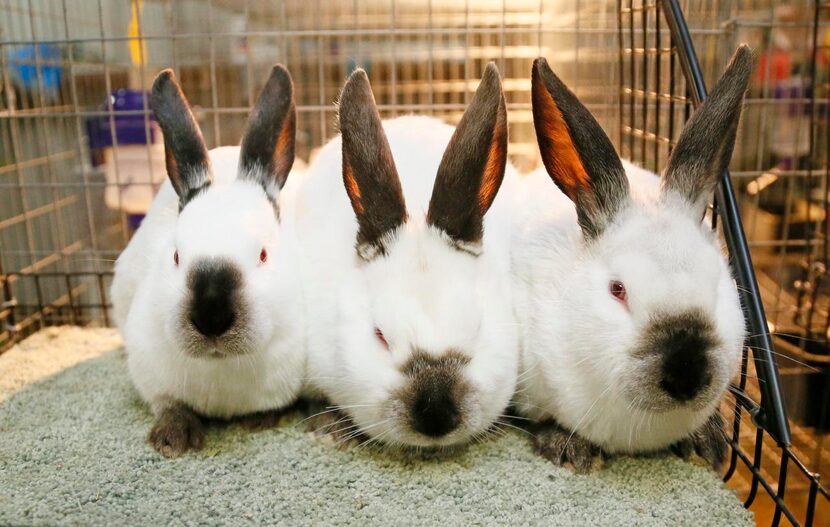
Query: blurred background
x,y
80,155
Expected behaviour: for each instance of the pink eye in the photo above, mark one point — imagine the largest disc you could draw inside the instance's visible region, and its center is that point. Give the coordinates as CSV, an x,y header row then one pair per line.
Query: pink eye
x,y
617,290
381,338
176,258
263,255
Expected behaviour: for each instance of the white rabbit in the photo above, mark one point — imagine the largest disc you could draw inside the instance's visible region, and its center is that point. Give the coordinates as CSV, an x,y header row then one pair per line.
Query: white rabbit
x,y
631,323
410,310
206,294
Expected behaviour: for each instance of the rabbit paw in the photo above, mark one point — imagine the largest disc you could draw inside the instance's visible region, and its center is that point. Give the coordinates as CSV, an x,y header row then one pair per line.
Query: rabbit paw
x,y
177,429
334,426
562,447
264,420
708,442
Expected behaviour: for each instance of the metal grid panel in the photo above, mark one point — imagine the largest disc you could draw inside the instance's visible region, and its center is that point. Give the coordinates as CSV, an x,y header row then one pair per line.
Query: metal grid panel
x,y
60,60
782,168
58,239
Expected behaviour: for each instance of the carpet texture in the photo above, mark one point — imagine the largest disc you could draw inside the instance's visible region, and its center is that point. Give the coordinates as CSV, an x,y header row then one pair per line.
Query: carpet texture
x,y
72,451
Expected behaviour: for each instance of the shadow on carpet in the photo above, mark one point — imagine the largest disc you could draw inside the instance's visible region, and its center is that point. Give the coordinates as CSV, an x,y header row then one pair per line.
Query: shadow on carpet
x,y
72,451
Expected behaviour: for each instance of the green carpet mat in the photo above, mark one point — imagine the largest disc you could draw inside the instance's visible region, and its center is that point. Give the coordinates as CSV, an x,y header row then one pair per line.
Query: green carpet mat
x,y
72,451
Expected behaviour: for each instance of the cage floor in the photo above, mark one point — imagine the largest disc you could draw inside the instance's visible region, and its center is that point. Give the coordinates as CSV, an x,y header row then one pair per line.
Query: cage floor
x,y
72,451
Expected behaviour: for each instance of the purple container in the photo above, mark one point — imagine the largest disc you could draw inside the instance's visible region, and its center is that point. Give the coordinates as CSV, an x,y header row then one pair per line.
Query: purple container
x,y
129,127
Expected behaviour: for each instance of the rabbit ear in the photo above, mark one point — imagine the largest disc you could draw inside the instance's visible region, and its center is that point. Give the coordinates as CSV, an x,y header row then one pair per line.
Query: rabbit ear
x,y
472,168
705,145
185,153
577,154
369,172
267,151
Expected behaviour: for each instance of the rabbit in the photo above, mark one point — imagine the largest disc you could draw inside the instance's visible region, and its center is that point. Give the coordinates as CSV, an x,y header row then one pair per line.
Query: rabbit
x,y
631,324
411,333
206,293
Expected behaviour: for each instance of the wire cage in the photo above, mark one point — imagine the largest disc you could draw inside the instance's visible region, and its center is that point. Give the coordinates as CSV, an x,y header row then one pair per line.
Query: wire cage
x,y
79,151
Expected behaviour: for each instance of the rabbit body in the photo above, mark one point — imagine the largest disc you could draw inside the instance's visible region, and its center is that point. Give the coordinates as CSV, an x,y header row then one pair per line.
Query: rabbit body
x,y
206,293
146,294
427,296
631,322
576,366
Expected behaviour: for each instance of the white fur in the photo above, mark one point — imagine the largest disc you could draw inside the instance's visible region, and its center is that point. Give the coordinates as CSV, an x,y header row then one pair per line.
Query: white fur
x,y
235,220
576,365
425,294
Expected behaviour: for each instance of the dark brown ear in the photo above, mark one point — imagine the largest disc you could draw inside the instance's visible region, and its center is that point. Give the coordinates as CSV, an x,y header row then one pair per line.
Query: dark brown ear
x,y
267,151
472,168
705,146
185,153
369,172
577,154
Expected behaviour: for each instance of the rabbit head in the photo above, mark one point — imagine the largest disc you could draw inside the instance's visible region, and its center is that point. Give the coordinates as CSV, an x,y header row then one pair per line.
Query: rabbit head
x,y
655,324
429,360
219,268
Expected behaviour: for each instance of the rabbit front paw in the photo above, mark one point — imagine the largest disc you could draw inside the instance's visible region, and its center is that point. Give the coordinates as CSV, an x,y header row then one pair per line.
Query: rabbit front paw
x,y
563,447
177,429
259,421
708,442
334,426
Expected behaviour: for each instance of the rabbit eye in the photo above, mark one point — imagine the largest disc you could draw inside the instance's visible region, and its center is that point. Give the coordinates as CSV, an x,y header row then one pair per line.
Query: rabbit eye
x,y
263,255
176,257
381,338
617,290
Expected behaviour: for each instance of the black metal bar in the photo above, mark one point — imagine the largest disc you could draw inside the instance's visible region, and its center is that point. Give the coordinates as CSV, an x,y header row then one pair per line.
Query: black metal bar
x,y
103,295
756,467
72,308
39,292
811,503
736,420
782,487
774,418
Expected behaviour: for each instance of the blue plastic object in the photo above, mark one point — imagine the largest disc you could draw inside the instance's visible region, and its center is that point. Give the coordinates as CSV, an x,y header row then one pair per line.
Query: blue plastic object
x,y
22,64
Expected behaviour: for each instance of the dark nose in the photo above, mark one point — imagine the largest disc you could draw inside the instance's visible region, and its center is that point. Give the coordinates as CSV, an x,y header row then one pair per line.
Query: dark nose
x,y
434,412
213,284
686,370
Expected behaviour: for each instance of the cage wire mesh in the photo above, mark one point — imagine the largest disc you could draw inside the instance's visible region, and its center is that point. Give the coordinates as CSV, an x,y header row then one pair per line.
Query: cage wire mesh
x,y
79,151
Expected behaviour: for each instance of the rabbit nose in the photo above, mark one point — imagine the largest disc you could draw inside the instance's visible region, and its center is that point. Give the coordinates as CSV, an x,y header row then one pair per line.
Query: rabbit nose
x,y
681,344
434,412
436,384
685,373
213,285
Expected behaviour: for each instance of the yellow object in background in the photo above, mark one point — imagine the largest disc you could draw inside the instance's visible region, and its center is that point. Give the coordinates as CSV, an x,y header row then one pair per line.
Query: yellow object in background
x,y
138,49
